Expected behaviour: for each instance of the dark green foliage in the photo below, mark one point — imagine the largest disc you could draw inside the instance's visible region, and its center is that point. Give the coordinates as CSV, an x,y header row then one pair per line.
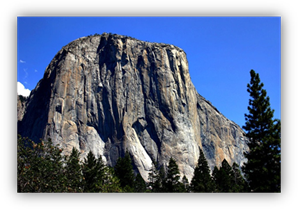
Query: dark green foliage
x,y
172,183
124,171
111,183
225,177
159,181
185,184
216,178
40,167
154,178
238,182
90,173
140,184
202,181
262,169
52,174
228,179
98,177
93,172
222,178
73,172
23,163
162,177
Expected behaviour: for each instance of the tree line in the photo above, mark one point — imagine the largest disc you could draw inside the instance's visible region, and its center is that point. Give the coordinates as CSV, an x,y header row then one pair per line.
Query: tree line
x,y
42,167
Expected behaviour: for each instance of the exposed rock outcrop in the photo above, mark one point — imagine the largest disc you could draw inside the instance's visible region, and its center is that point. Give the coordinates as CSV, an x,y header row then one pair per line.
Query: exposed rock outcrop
x,y
21,106
111,93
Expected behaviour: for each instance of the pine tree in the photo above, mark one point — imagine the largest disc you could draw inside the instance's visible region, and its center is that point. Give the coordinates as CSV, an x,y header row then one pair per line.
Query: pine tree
x,y
202,181
262,169
226,175
154,178
48,168
93,172
23,164
46,162
140,184
185,184
172,183
73,172
111,181
124,171
223,177
216,179
238,182
41,167
162,177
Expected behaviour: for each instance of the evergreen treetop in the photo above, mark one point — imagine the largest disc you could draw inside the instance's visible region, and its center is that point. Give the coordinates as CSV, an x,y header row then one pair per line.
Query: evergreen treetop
x,y
93,172
202,181
124,171
172,183
262,169
73,171
154,178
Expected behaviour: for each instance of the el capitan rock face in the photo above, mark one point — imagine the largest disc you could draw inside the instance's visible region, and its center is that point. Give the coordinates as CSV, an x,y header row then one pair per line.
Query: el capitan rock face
x,y
111,94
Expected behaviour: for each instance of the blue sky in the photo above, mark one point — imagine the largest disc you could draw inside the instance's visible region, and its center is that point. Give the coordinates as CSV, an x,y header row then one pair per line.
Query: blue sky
x,y
220,51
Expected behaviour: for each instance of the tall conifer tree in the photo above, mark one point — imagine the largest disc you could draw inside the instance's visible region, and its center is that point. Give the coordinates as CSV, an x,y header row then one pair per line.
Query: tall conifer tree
x,y
226,177
140,184
216,178
73,172
172,183
222,177
202,181
124,171
93,172
185,184
154,178
262,169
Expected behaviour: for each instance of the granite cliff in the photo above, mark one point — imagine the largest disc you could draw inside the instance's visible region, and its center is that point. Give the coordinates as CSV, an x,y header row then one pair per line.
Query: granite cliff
x,y
21,106
110,94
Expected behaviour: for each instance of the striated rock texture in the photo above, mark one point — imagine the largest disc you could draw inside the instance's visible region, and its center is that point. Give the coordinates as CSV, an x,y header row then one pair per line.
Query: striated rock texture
x,y
21,106
110,94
